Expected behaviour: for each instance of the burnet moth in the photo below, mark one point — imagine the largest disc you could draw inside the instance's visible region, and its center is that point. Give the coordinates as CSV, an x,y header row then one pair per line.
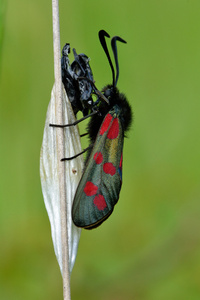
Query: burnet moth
x,y
111,117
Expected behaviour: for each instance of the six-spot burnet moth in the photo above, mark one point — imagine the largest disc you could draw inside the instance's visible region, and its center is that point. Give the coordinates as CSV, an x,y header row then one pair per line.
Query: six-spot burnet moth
x,y
111,116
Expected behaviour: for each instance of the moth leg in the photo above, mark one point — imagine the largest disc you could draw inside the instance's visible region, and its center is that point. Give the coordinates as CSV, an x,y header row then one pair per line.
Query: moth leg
x,y
72,157
84,134
76,122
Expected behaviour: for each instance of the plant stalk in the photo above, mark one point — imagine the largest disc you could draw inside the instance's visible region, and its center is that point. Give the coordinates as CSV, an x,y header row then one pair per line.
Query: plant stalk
x,y
60,143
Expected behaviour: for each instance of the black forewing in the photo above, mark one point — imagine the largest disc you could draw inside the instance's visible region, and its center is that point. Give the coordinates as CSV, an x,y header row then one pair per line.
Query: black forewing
x,y
84,212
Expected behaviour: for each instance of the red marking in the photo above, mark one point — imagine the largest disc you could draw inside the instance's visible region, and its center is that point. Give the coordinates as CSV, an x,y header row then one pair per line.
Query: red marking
x,y
114,130
98,157
90,188
109,168
120,164
106,123
99,202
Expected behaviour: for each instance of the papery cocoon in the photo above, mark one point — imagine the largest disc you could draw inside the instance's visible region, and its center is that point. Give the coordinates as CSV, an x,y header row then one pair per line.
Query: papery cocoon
x,y
49,176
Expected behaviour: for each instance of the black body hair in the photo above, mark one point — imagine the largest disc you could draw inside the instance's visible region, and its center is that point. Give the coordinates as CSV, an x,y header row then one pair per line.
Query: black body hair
x,y
125,116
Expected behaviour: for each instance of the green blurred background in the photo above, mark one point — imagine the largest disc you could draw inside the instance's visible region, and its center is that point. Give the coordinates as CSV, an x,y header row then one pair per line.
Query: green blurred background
x,y
149,249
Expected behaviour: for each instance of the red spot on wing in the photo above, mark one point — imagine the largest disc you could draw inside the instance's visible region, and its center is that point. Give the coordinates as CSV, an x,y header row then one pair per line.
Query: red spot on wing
x,y
90,188
99,202
106,123
114,130
120,164
98,157
120,168
109,168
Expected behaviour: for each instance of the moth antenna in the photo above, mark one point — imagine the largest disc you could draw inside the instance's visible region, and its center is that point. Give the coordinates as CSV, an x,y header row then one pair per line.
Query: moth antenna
x,y
102,34
114,49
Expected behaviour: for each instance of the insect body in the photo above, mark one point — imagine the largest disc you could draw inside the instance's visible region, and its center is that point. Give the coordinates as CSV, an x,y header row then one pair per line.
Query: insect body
x,y
99,187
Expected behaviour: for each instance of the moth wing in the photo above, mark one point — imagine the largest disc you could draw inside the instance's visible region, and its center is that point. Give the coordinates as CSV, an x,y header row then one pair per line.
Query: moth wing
x,y
99,187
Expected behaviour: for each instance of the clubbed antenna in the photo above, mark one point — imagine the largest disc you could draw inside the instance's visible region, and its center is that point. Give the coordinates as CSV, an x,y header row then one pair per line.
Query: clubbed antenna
x,y
102,34
114,48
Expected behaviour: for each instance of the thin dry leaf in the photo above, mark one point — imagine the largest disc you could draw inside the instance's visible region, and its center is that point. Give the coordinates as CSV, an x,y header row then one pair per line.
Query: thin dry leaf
x,y
49,176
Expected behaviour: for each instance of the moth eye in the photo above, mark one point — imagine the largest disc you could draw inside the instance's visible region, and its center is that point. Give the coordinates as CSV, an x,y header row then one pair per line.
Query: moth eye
x,y
107,93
